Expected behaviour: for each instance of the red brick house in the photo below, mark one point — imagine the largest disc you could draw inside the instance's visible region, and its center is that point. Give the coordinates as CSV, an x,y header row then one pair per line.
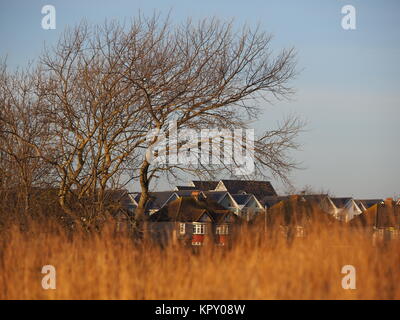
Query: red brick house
x,y
192,222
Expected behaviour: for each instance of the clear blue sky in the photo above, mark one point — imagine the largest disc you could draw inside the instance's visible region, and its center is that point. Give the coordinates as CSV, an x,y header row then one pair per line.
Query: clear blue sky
x,y
348,91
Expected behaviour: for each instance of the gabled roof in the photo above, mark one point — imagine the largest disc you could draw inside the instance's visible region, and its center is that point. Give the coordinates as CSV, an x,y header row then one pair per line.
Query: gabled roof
x,y
215,195
323,201
117,195
156,199
205,185
340,202
120,197
360,204
270,201
366,218
368,203
317,198
188,209
242,199
179,210
260,189
381,215
218,196
159,199
295,210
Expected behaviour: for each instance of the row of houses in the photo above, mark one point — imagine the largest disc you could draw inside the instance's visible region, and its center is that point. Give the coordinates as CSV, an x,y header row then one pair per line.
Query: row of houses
x,y
209,210
205,211
382,218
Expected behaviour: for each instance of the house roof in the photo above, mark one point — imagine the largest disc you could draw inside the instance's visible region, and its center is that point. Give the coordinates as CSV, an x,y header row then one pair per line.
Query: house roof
x,y
116,194
188,209
156,199
182,188
381,215
188,193
270,201
205,185
120,197
159,199
242,199
295,210
315,198
364,219
215,195
211,203
340,202
360,204
368,203
388,214
260,189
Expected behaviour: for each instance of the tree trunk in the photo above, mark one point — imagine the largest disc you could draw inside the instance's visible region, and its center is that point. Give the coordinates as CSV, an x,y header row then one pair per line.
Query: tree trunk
x,y
144,196
67,211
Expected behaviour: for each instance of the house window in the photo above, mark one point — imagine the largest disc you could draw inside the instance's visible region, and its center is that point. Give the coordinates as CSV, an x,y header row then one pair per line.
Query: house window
x,y
300,232
199,228
182,228
222,229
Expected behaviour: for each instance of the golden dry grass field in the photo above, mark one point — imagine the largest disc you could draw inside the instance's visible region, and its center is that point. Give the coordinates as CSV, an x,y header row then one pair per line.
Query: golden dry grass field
x,y
107,266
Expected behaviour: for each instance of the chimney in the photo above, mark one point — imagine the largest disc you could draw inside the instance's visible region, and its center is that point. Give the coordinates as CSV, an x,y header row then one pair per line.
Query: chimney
x,y
389,202
195,194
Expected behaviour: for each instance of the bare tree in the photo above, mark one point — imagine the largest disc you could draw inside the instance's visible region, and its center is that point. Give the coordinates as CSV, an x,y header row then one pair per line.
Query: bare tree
x,y
104,89
94,114
91,116
206,75
20,116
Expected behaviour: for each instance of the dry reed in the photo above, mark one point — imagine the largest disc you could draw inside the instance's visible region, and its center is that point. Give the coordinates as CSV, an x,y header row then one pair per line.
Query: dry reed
x,y
109,266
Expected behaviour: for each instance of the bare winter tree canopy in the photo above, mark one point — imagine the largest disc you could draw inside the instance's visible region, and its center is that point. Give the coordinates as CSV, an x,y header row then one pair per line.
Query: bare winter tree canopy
x,y
91,101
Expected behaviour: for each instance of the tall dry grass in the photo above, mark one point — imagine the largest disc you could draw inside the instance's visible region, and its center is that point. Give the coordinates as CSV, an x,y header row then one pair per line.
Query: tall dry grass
x,y
107,266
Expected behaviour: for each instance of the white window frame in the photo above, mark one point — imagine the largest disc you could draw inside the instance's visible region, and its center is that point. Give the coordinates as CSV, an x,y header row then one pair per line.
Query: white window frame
x,y
222,229
182,228
199,228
